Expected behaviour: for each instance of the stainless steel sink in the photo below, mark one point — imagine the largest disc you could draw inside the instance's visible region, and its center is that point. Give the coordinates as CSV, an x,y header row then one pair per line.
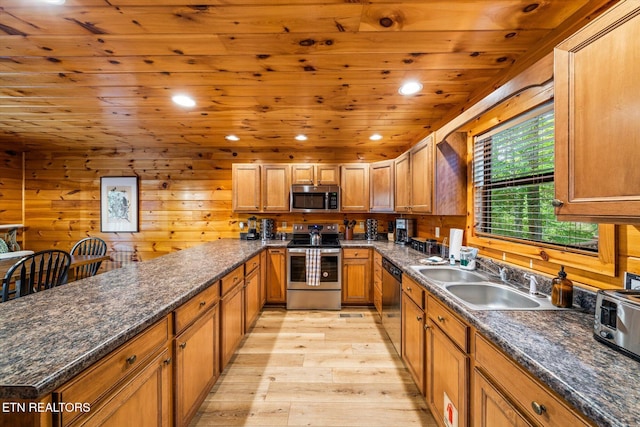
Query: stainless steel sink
x,y
492,296
450,275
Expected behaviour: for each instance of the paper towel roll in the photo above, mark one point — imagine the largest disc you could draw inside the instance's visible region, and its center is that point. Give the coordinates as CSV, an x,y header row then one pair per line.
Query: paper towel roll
x,y
455,242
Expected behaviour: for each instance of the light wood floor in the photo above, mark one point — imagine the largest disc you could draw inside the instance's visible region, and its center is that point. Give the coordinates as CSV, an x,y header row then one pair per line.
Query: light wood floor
x,y
315,368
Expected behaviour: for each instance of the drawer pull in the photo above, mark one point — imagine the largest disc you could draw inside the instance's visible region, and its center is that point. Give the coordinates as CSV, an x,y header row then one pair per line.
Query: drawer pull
x,y
131,359
167,361
182,345
419,318
538,408
426,327
203,303
440,319
409,288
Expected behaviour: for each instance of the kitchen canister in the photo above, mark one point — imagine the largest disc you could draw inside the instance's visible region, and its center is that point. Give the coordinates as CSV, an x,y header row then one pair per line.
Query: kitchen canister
x,y
371,229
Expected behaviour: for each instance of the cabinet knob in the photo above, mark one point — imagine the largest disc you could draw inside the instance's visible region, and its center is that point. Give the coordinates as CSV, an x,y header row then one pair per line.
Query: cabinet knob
x,y
183,345
538,408
167,361
557,203
426,327
419,318
203,303
440,319
131,359
409,288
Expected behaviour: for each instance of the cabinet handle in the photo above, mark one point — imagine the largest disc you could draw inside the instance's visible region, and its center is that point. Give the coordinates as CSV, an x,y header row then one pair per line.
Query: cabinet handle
x,y
440,319
183,345
167,361
538,408
557,203
203,303
419,318
426,327
409,288
131,359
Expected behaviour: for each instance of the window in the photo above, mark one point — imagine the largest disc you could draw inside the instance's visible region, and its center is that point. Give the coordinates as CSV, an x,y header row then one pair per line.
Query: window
x,y
513,171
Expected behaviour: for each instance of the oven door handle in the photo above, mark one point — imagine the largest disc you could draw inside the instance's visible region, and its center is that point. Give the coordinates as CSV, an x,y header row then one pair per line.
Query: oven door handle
x,y
322,251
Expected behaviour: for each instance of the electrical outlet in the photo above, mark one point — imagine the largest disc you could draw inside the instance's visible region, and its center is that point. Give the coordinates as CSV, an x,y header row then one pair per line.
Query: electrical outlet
x,y
361,224
437,232
284,224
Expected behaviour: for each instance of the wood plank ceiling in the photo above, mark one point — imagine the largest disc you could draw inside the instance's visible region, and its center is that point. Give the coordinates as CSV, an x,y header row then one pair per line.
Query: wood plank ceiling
x,y
100,74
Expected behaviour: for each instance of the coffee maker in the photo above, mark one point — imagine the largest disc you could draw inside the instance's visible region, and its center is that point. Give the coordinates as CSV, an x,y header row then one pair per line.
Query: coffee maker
x,y
405,230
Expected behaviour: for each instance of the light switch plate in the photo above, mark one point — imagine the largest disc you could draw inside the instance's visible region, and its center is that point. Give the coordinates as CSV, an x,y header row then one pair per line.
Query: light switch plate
x,y
631,280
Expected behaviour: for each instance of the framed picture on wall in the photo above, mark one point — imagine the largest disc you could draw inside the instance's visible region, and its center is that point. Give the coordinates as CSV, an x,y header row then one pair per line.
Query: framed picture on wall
x,y
119,204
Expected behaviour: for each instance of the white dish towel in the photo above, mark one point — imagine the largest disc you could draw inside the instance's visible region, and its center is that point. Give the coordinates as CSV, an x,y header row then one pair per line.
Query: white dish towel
x,y
313,266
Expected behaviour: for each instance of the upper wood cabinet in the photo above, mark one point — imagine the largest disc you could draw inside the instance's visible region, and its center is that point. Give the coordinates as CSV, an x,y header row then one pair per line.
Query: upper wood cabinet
x,y
381,177
245,185
402,180
260,188
315,174
422,176
597,177
451,175
354,183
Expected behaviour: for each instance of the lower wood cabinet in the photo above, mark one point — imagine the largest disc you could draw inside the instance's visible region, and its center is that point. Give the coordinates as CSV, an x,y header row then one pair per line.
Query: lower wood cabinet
x,y
197,364
491,408
277,276
231,323
377,281
130,386
413,348
531,401
356,276
252,299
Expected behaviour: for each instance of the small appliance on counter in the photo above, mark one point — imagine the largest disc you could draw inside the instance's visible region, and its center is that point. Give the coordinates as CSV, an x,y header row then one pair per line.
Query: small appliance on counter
x,y
426,246
252,231
371,229
468,257
405,230
617,320
267,229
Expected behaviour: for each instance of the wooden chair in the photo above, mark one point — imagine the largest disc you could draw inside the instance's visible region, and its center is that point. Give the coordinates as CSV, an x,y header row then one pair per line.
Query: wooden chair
x,y
88,246
34,273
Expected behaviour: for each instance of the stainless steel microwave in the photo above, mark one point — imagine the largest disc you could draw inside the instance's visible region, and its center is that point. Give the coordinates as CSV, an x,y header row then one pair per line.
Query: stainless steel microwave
x,y
315,198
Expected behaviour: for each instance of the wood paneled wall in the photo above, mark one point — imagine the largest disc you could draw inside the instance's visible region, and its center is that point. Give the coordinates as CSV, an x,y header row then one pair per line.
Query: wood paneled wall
x,y
11,175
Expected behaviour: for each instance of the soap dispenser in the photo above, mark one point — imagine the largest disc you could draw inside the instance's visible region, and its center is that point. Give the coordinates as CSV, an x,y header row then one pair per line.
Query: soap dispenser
x,y
562,290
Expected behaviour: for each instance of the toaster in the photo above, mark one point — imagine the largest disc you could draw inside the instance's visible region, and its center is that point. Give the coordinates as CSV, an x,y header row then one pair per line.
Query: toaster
x,y
617,320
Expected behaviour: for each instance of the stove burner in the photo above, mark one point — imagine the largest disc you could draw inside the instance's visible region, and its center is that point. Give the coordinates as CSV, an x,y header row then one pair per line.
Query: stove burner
x,y
302,236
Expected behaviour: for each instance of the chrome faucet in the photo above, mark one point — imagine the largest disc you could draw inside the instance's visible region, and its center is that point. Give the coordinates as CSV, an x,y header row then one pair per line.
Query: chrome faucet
x,y
500,272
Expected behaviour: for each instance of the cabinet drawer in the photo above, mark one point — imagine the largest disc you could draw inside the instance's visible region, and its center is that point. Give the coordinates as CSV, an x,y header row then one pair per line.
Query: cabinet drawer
x,y
450,324
232,279
521,387
188,312
252,264
377,259
98,380
413,291
377,270
356,253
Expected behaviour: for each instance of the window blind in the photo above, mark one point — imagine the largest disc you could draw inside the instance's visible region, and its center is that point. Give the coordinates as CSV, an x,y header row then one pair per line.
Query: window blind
x,y
513,172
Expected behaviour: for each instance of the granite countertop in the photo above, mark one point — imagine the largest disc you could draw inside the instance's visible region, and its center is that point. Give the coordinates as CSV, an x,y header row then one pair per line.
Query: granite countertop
x,y
557,347
46,340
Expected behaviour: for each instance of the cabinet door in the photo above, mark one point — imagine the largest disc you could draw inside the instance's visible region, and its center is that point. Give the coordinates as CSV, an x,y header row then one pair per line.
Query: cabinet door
x,y
355,187
447,377
402,197
491,408
251,298
263,278
275,188
303,174
413,348
245,187
422,176
356,281
143,400
597,132
197,364
276,276
377,282
231,323
382,186
328,174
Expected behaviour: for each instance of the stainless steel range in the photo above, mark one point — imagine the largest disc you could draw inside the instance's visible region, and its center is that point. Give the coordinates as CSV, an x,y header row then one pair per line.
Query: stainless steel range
x,y
314,268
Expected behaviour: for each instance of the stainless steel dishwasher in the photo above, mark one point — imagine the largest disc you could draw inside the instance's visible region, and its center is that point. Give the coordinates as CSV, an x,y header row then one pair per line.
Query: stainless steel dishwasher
x,y
391,302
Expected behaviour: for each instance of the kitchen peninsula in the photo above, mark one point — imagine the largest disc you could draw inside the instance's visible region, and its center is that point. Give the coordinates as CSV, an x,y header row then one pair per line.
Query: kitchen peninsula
x,y
50,338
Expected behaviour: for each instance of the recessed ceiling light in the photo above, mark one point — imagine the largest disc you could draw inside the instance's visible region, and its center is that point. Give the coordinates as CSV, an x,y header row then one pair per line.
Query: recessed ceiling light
x,y
184,101
232,138
375,137
301,137
54,1
410,88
